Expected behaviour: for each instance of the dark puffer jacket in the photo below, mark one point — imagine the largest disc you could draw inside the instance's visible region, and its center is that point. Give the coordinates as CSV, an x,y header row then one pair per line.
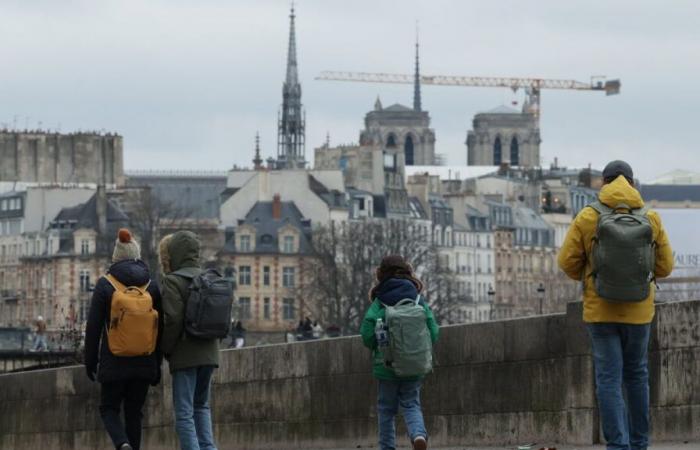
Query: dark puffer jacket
x,y
98,358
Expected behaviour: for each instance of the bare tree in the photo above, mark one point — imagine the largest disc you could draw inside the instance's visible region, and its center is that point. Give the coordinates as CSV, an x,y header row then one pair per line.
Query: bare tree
x,y
149,216
342,272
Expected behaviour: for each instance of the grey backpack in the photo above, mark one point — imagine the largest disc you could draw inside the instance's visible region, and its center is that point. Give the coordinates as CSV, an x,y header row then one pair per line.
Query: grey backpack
x,y
410,350
624,253
208,308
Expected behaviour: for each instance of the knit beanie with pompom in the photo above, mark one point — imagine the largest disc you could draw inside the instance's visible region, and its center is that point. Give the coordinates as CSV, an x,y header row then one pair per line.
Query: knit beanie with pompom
x,y
125,247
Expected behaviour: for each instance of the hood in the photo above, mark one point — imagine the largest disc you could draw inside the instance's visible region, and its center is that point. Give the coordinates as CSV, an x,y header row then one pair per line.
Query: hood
x,y
183,250
392,290
131,272
620,191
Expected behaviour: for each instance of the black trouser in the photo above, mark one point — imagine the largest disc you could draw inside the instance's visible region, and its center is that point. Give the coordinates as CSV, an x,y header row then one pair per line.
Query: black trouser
x,y
133,394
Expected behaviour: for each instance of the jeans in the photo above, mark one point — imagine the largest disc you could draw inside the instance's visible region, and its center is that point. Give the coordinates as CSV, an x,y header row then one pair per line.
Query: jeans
x,y
620,358
393,394
191,389
40,343
133,394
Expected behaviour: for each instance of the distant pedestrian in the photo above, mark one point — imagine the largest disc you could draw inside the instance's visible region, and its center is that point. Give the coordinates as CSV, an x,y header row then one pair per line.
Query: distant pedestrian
x,y
238,334
122,351
40,344
618,247
396,301
317,330
307,329
192,360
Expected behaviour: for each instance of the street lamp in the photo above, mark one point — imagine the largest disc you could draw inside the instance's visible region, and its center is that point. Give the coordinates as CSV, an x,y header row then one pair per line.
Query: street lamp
x,y
541,291
491,293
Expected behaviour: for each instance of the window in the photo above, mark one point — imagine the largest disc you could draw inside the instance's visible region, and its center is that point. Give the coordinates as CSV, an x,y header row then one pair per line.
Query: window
x,y
266,275
514,154
84,247
497,157
228,272
288,277
288,244
266,308
408,150
244,275
244,308
288,309
84,280
245,243
391,141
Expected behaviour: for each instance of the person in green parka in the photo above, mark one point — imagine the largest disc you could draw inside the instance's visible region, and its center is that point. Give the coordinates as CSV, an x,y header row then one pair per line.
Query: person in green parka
x,y
396,281
191,360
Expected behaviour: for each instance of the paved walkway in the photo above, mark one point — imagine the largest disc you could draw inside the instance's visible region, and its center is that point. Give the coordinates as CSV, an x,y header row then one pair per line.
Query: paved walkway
x,y
660,446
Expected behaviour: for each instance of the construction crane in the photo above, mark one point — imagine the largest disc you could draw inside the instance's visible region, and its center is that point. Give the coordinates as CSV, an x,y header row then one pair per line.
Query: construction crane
x,y
532,86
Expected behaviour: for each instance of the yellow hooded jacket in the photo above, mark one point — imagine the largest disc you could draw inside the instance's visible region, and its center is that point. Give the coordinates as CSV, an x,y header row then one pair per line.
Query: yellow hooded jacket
x,y
575,257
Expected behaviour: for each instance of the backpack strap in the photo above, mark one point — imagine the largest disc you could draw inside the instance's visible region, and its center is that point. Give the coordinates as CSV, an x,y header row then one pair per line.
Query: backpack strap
x,y
119,286
418,299
601,208
640,211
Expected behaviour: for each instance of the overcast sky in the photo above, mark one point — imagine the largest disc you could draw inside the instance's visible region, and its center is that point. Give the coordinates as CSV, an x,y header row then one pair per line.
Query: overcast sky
x,y
188,82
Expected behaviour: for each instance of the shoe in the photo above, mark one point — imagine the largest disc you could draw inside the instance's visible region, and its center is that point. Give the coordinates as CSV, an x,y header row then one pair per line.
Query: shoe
x,y
420,443
126,446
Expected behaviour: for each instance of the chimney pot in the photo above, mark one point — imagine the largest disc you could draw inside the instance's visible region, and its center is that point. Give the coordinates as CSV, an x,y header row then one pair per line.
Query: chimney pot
x,y
276,207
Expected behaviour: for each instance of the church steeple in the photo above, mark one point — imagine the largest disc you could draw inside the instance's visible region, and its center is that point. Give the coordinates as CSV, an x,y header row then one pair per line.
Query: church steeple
x,y
257,161
291,121
416,79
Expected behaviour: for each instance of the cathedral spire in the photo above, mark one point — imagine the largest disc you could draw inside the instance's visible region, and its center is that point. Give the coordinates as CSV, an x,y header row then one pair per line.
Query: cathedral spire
x,y
292,74
291,123
416,79
257,161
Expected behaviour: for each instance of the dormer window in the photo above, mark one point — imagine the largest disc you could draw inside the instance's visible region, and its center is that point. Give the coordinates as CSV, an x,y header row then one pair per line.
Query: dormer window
x,y
84,247
288,244
244,243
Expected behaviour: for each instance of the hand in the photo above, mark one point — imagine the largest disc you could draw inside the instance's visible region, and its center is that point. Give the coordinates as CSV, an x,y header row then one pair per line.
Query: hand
x,y
91,372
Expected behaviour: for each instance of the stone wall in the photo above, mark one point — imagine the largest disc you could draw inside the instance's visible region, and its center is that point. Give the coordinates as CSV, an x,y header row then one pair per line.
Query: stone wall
x,y
502,382
43,157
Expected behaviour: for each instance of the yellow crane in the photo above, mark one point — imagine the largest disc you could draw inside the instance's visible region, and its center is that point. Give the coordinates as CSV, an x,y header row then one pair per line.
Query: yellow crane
x,y
532,86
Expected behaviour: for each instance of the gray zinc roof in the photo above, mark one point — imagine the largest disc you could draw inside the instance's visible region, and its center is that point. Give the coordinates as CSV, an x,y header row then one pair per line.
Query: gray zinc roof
x,y
267,228
196,196
671,192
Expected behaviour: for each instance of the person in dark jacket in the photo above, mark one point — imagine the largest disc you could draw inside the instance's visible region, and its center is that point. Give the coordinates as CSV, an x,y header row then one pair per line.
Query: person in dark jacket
x,y
395,282
124,380
191,360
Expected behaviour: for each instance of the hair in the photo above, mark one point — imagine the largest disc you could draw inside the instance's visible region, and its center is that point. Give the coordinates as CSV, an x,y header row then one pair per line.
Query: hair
x,y
394,266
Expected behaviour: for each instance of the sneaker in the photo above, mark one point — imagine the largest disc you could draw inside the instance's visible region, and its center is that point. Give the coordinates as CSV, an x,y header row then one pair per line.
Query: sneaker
x,y
126,446
420,443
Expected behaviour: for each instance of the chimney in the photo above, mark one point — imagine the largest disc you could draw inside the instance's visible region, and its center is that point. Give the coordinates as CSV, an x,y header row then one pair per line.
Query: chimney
x,y
101,206
276,207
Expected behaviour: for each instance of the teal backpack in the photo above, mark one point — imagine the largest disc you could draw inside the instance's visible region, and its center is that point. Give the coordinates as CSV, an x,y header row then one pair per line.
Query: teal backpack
x,y
623,255
410,350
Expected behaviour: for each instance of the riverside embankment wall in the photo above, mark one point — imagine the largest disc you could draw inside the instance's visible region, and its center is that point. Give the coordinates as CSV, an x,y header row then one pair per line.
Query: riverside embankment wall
x,y
499,382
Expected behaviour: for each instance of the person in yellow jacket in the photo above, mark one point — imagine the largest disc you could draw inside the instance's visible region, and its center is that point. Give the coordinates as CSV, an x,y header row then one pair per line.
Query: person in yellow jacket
x,y
619,331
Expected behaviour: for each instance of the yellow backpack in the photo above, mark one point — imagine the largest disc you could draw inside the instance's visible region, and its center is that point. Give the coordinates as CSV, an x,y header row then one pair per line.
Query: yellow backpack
x,y
133,325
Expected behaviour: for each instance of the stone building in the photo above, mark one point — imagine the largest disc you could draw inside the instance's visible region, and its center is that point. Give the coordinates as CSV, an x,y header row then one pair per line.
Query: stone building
x,y
45,157
25,215
264,252
60,265
504,135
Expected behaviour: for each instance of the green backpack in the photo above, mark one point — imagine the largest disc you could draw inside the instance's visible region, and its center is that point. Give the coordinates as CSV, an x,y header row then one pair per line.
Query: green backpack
x,y
410,352
623,253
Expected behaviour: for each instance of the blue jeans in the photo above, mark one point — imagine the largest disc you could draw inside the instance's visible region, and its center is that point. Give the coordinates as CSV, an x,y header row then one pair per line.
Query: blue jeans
x,y
620,358
393,394
192,413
